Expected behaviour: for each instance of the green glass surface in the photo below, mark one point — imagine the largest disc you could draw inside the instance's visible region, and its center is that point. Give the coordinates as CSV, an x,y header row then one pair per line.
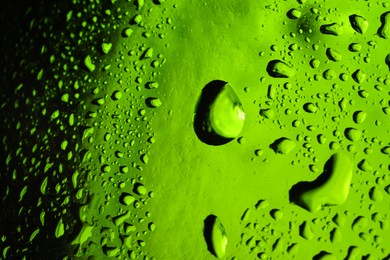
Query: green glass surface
x,y
183,129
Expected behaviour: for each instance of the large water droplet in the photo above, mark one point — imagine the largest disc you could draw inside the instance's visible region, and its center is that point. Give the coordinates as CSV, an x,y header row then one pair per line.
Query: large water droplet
x,y
215,236
219,114
330,188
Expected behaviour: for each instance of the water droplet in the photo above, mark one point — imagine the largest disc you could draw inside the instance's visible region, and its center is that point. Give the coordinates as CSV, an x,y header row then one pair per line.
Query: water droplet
x,y
126,199
387,60
293,249
219,114
106,47
152,85
147,54
364,165
355,47
153,102
333,55
335,235
276,214
329,74
384,29
310,107
139,189
323,255
359,76
331,29
138,19
245,216
352,134
330,188
386,150
88,63
60,229
262,204
359,117
360,222
215,236
116,95
267,113
353,253
306,231
127,32
321,139
375,194
271,92
339,219
280,69
283,145
294,14
315,63
358,23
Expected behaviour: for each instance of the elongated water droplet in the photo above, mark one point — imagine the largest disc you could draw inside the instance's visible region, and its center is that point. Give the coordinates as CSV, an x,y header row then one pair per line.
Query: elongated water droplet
x,y
280,69
215,236
384,29
387,60
331,29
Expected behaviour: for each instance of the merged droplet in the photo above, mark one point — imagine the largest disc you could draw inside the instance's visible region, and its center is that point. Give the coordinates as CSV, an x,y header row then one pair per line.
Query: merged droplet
x,y
384,29
219,114
330,188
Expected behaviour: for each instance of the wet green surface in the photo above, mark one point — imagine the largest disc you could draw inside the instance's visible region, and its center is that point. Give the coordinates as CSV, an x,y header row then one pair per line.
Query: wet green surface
x,y
121,142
